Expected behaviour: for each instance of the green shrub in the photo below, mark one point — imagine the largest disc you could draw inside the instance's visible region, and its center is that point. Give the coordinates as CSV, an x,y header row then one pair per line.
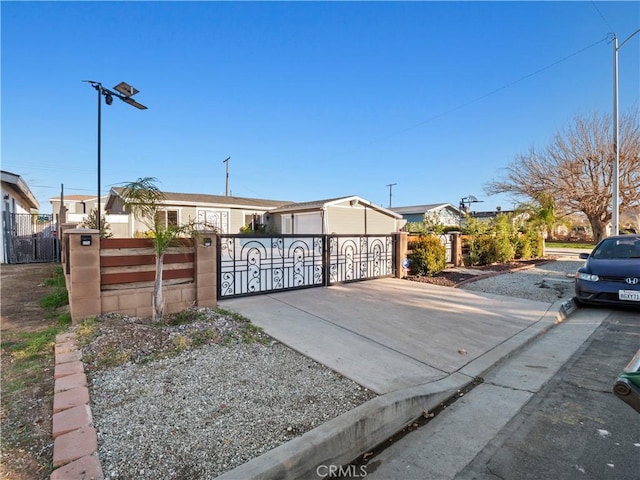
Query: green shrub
x,y
524,248
504,248
428,256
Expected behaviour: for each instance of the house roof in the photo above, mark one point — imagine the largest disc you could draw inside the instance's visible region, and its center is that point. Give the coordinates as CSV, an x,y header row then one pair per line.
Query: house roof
x,y
320,204
21,187
421,209
216,200
74,198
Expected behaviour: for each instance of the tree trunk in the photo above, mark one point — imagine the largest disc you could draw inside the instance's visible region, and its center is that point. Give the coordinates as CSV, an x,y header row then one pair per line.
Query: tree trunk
x,y
158,301
598,227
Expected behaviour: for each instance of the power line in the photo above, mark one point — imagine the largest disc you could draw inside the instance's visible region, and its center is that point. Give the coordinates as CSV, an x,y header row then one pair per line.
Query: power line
x,y
492,92
521,79
66,188
602,16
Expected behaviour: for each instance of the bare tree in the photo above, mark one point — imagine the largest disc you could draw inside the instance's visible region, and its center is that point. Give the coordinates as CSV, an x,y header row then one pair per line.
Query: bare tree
x,y
576,169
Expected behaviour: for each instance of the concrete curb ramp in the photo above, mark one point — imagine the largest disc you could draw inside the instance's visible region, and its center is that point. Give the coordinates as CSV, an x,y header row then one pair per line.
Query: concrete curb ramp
x,y
345,438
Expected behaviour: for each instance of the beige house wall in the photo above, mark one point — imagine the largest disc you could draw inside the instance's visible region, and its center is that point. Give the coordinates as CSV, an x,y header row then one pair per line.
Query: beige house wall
x,y
346,219
378,222
359,219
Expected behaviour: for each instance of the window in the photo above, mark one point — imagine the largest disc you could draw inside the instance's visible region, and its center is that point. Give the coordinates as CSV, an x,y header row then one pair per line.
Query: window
x,y
253,221
286,224
213,219
168,218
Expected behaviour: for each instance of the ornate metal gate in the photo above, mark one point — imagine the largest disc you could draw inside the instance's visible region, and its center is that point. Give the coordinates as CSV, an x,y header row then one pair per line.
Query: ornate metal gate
x,y
30,238
361,257
255,264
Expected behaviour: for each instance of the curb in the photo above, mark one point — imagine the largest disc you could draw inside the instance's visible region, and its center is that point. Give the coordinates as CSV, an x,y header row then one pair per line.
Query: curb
x,y
343,439
75,444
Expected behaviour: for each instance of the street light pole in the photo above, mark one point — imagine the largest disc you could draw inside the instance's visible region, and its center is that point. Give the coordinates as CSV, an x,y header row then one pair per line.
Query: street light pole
x,y
98,89
124,93
616,138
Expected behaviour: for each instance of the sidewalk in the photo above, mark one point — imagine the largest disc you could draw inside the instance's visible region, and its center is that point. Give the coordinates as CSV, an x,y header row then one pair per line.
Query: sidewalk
x,y
415,344
452,440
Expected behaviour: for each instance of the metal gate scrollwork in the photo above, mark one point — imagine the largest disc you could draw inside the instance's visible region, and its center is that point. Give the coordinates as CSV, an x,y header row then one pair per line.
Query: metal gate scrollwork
x,y
249,265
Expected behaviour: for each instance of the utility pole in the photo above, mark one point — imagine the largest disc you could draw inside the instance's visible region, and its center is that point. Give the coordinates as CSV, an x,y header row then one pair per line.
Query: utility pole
x,y
615,194
226,185
391,192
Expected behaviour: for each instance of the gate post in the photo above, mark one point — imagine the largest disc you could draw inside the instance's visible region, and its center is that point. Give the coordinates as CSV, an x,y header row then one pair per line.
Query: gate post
x,y
326,259
456,249
400,242
206,274
83,282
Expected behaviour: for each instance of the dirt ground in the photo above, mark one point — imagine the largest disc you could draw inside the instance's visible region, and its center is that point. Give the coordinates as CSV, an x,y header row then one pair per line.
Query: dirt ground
x,y
22,287
25,416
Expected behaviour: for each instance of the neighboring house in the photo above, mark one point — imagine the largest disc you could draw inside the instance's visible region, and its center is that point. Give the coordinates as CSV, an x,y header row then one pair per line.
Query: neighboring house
x,y
17,198
227,214
490,215
344,215
78,206
445,213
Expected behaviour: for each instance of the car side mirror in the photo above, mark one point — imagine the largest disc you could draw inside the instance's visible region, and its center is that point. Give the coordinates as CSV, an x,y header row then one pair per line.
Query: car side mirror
x,y
584,256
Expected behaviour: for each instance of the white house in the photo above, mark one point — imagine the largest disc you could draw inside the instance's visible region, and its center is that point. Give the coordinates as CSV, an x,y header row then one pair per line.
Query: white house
x,y
17,198
445,213
343,215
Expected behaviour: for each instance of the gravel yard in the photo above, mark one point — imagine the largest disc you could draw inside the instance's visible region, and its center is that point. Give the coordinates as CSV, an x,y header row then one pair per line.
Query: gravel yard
x,y
212,408
206,410
548,282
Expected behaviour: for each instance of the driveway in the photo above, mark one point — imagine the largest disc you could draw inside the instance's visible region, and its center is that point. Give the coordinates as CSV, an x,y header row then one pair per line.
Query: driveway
x,y
389,334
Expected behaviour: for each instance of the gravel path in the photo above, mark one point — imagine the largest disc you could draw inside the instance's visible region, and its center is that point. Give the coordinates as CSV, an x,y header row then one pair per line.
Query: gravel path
x,y
548,282
209,410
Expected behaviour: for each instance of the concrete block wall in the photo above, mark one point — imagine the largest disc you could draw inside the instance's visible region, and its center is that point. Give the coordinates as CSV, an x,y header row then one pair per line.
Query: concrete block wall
x,y
88,299
206,270
83,267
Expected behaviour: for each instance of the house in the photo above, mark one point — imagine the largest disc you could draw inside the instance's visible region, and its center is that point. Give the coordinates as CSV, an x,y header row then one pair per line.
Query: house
x,y
443,213
18,204
343,215
227,214
78,206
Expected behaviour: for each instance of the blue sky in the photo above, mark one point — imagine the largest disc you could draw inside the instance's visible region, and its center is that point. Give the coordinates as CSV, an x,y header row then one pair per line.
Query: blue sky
x,y
310,100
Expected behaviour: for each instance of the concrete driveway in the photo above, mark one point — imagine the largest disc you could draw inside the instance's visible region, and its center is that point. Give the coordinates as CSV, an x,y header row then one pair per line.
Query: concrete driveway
x,y
390,334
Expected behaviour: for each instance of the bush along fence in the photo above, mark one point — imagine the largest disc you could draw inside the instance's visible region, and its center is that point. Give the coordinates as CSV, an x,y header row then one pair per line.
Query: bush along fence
x,y
117,275
449,248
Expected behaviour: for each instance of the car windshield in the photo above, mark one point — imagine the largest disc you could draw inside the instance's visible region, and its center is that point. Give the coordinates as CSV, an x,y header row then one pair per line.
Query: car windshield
x,y
618,248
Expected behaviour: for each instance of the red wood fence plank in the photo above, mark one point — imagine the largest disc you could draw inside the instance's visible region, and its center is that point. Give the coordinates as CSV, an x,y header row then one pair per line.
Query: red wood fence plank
x,y
132,260
110,243
132,277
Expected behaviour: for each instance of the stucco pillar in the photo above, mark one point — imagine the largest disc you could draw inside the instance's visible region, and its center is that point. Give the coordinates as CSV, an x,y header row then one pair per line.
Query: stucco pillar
x,y
83,264
400,253
62,229
456,249
206,273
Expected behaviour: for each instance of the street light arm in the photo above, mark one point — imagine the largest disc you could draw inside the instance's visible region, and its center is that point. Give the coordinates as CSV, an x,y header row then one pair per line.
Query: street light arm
x,y
627,39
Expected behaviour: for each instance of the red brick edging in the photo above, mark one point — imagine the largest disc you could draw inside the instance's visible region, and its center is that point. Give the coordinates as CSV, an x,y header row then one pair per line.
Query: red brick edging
x,y
75,445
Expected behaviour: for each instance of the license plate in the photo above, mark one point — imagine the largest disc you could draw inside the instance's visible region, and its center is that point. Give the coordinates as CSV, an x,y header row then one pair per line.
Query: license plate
x,y
632,295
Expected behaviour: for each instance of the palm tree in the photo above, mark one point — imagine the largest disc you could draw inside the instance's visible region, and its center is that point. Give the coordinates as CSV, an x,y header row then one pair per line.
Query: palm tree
x,y
144,199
